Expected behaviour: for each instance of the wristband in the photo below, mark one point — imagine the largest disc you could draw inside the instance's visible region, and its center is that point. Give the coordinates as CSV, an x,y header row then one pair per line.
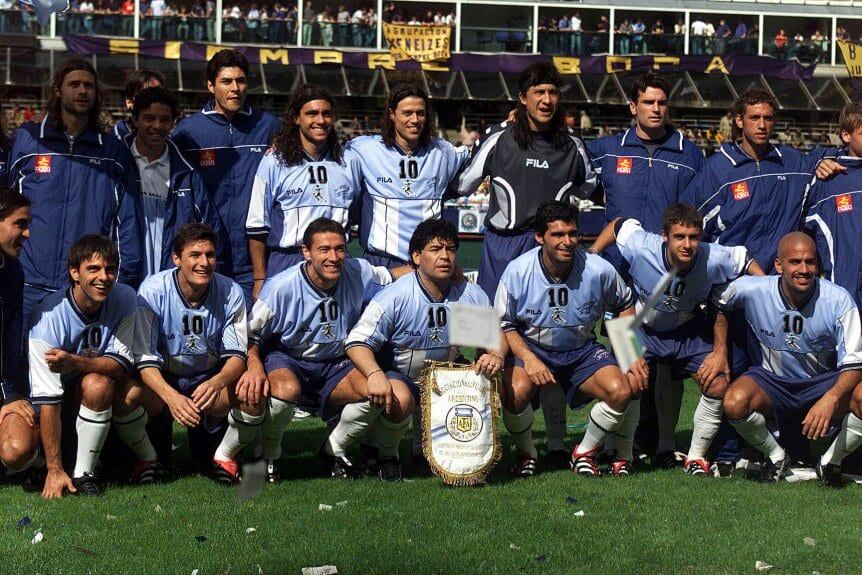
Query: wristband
x,y
259,279
372,373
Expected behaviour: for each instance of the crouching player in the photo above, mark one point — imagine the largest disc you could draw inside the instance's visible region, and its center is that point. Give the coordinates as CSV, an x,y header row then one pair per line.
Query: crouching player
x,y
550,299
808,331
80,347
18,433
676,332
407,324
190,350
303,315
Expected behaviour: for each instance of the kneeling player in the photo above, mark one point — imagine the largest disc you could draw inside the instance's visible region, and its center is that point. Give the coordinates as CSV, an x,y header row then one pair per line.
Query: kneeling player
x,y
409,320
550,299
18,432
306,311
80,346
808,331
190,350
675,332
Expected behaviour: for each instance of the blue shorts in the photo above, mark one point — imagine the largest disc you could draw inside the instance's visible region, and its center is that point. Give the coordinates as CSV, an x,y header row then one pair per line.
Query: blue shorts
x,y
317,379
385,361
186,385
498,249
383,260
791,399
572,368
279,260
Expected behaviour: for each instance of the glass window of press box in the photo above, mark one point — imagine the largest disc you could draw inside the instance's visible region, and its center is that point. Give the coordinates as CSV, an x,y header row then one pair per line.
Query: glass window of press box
x,y
647,32
716,34
806,39
500,28
340,24
573,31
420,14
849,29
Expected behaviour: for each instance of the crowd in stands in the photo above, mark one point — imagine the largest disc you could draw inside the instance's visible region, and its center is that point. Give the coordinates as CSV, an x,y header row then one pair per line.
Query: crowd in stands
x,y
567,35
439,17
17,18
260,23
339,27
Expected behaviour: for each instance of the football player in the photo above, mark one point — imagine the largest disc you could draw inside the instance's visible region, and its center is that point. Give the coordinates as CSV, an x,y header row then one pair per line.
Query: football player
x,y
550,299
405,325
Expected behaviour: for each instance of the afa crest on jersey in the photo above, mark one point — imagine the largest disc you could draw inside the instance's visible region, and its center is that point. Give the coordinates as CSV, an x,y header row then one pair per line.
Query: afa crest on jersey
x,y
740,191
207,158
624,165
844,203
43,164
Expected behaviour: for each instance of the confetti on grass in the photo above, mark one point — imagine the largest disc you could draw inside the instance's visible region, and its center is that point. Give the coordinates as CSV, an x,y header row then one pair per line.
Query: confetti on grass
x,y
24,521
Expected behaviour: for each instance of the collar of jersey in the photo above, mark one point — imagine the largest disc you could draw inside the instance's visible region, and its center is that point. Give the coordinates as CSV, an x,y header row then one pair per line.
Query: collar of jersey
x,y
848,161
317,290
209,110
737,156
673,142
324,154
666,261
47,132
788,305
183,299
428,294
78,311
548,275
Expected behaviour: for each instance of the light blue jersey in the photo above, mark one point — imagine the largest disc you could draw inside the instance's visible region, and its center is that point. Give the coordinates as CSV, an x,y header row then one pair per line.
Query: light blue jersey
x,y
823,335
184,340
285,199
60,324
559,316
407,319
402,190
646,254
307,322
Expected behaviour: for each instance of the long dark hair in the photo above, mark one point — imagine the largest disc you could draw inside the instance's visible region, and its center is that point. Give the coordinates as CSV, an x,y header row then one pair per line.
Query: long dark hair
x,y
387,126
287,142
558,132
55,106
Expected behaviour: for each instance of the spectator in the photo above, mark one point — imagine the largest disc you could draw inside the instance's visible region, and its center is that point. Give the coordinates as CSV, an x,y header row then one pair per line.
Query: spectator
x,y
657,40
342,20
575,40
780,44
624,32
738,42
698,29
708,38
308,20
638,45
325,20
722,35
586,123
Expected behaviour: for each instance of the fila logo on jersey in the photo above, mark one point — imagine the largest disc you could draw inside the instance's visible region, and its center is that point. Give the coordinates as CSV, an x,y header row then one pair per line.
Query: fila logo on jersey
x,y
624,165
844,203
43,164
740,191
537,163
207,158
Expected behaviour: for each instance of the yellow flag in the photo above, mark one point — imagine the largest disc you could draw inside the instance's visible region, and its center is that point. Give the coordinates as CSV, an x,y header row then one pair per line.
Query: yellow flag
x,y
852,57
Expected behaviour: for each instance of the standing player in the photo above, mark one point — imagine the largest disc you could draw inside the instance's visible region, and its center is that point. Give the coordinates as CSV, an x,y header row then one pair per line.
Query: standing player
x,y
81,346
225,142
307,311
167,190
18,431
550,299
406,325
306,175
190,350
405,172
72,173
642,172
136,81
808,331
676,332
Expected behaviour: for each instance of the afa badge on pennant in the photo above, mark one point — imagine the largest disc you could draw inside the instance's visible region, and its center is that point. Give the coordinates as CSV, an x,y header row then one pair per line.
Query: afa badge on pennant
x,y
844,203
459,423
207,158
740,191
624,165
43,164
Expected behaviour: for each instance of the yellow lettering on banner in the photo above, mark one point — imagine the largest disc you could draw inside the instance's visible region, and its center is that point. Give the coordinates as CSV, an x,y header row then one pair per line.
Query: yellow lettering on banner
x,y
434,67
212,50
659,61
382,61
852,54
614,64
280,55
422,43
328,57
123,46
567,65
717,64
172,50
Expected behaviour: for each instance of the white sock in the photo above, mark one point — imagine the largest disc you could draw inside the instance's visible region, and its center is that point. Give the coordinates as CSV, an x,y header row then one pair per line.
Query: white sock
x,y
846,442
278,415
707,418
355,420
603,420
753,430
668,401
625,434
520,428
389,435
553,402
242,430
92,427
417,432
132,430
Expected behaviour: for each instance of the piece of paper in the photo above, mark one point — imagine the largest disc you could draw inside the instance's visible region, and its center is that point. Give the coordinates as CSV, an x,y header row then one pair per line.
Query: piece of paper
x,y
625,341
474,326
322,570
253,480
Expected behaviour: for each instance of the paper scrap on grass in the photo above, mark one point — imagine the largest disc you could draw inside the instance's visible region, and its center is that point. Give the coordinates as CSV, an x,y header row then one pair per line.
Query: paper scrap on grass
x,y
324,507
341,504
474,326
322,570
37,538
24,521
253,480
762,566
580,513
250,530
110,517
201,538
809,541
157,508
514,547
196,571
571,500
